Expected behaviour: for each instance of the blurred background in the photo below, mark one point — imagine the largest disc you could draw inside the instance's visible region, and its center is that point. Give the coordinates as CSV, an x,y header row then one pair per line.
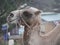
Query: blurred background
x,y
6,6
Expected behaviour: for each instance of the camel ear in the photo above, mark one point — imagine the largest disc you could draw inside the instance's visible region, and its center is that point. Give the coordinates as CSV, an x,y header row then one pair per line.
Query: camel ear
x,y
37,12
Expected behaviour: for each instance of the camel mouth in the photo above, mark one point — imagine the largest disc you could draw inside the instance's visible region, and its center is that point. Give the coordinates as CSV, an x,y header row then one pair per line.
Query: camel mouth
x,y
12,20
9,20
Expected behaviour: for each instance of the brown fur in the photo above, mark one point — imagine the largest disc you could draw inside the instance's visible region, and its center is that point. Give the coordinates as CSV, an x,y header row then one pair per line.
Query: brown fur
x,y
32,22
34,37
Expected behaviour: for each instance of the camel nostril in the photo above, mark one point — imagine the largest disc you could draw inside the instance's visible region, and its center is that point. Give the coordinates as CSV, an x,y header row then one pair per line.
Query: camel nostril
x,y
11,15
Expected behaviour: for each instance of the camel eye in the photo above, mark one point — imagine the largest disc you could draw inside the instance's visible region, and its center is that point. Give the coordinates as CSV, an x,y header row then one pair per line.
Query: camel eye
x,y
11,15
27,14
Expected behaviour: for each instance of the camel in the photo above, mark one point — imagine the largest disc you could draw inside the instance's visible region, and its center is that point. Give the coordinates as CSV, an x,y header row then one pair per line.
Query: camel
x,y
31,19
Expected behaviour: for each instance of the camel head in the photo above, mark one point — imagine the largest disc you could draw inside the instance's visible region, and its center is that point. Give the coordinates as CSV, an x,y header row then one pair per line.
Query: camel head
x,y
29,15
